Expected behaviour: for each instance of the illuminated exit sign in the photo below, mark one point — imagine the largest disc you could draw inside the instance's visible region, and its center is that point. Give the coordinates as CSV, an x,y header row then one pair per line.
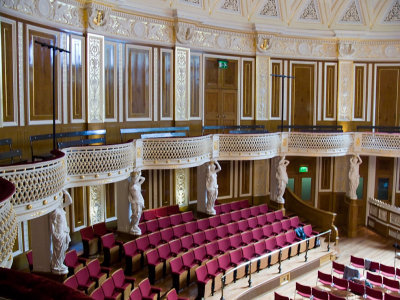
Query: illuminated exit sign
x,y
303,169
223,64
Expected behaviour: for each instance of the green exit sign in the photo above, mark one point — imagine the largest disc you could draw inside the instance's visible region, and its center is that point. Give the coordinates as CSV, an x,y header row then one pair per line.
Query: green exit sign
x,y
303,169
223,64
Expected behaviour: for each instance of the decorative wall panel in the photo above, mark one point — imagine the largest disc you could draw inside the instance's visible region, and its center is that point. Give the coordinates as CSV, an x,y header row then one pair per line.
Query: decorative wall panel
x,y
330,92
95,78
77,69
110,81
196,86
182,180
8,77
39,62
21,75
139,83
345,90
262,87
360,91
276,90
247,89
182,83
166,84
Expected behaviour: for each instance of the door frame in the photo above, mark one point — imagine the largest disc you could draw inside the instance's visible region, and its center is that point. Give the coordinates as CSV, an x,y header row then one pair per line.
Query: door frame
x,y
239,90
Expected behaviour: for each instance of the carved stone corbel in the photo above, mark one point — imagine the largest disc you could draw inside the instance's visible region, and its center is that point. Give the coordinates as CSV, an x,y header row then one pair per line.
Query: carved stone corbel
x,y
184,32
346,49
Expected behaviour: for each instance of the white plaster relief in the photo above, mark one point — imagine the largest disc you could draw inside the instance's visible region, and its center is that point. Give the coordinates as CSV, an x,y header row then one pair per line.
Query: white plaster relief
x,y
182,83
393,14
383,214
345,90
97,205
373,210
197,3
394,219
182,187
21,83
95,78
270,9
262,83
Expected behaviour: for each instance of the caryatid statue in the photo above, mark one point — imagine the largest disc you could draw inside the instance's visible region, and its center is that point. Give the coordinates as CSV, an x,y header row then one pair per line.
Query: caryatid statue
x,y
137,201
282,178
212,186
354,175
60,236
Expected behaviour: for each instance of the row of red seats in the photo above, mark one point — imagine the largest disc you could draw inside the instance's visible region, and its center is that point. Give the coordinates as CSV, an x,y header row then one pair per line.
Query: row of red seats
x,y
143,291
91,276
344,285
231,206
209,275
316,294
214,221
155,213
165,222
91,238
374,266
135,250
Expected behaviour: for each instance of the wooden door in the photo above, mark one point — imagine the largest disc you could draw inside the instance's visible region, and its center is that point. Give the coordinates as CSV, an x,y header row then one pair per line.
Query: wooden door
x,y
388,96
302,94
221,92
302,183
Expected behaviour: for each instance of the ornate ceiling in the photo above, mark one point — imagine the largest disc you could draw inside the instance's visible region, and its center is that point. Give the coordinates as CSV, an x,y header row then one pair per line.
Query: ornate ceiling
x,y
334,16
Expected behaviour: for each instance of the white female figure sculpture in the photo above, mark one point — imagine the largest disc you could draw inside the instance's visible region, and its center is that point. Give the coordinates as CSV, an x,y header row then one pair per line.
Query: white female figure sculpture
x,y
212,186
354,175
136,199
60,236
282,178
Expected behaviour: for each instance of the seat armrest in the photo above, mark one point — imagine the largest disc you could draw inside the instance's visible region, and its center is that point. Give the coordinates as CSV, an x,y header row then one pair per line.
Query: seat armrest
x,y
82,260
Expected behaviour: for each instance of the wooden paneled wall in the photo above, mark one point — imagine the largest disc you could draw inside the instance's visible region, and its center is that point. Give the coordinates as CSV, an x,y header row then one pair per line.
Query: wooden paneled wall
x,y
388,95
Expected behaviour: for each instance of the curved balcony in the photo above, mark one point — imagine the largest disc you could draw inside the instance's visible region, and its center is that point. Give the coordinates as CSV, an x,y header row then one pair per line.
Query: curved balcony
x,y
39,185
8,224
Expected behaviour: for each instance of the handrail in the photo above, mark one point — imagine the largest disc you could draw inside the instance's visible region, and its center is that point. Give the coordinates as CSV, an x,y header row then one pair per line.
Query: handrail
x,y
321,218
307,240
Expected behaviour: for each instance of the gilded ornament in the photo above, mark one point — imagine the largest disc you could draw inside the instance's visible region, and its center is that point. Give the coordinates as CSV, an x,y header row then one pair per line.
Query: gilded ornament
x,y
29,206
44,202
99,18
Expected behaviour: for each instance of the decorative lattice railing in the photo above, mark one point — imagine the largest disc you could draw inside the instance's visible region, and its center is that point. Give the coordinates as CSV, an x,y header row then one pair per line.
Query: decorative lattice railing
x,y
249,146
381,144
384,218
37,186
8,224
318,144
172,153
99,164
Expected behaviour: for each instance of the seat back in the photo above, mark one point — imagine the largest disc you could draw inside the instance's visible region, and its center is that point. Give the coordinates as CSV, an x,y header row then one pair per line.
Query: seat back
x,y
212,266
135,294
176,265
201,274
191,227
108,240
224,261
173,209
164,251
108,287
211,234
375,279
226,218
94,267
257,234
247,237
187,242
387,270
263,208
162,212
87,233
153,258
152,225
188,259
164,222
225,208
175,246
279,215
357,262
391,284
248,252
373,294
203,224
154,239
356,288
187,216
243,225
143,243
149,214
280,297
337,267
233,228
119,278
224,244
303,290
245,213
236,216
145,287
294,221
71,282
200,253
235,205
130,248
324,278
270,244
318,294
267,230
236,256
212,249
222,231
244,203
235,240
71,258
97,294
167,234
176,219
199,238
259,248
340,283
255,211
277,227
285,224
215,221
82,276
100,229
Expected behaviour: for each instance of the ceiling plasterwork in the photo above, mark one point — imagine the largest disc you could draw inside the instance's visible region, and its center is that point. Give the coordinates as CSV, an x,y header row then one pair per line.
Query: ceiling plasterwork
x,y
393,14
352,14
270,9
310,12
233,6
197,3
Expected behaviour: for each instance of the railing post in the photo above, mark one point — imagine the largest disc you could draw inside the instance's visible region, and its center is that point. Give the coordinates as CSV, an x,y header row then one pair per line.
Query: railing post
x,y
250,274
307,245
222,289
329,241
280,261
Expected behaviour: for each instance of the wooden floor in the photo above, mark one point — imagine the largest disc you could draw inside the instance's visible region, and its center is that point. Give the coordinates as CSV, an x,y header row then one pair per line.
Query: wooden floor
x,y
368,244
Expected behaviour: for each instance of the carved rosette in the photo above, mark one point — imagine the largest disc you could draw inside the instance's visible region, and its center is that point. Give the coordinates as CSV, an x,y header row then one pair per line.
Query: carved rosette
x,y
182,83
95,75
262,86
345,90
